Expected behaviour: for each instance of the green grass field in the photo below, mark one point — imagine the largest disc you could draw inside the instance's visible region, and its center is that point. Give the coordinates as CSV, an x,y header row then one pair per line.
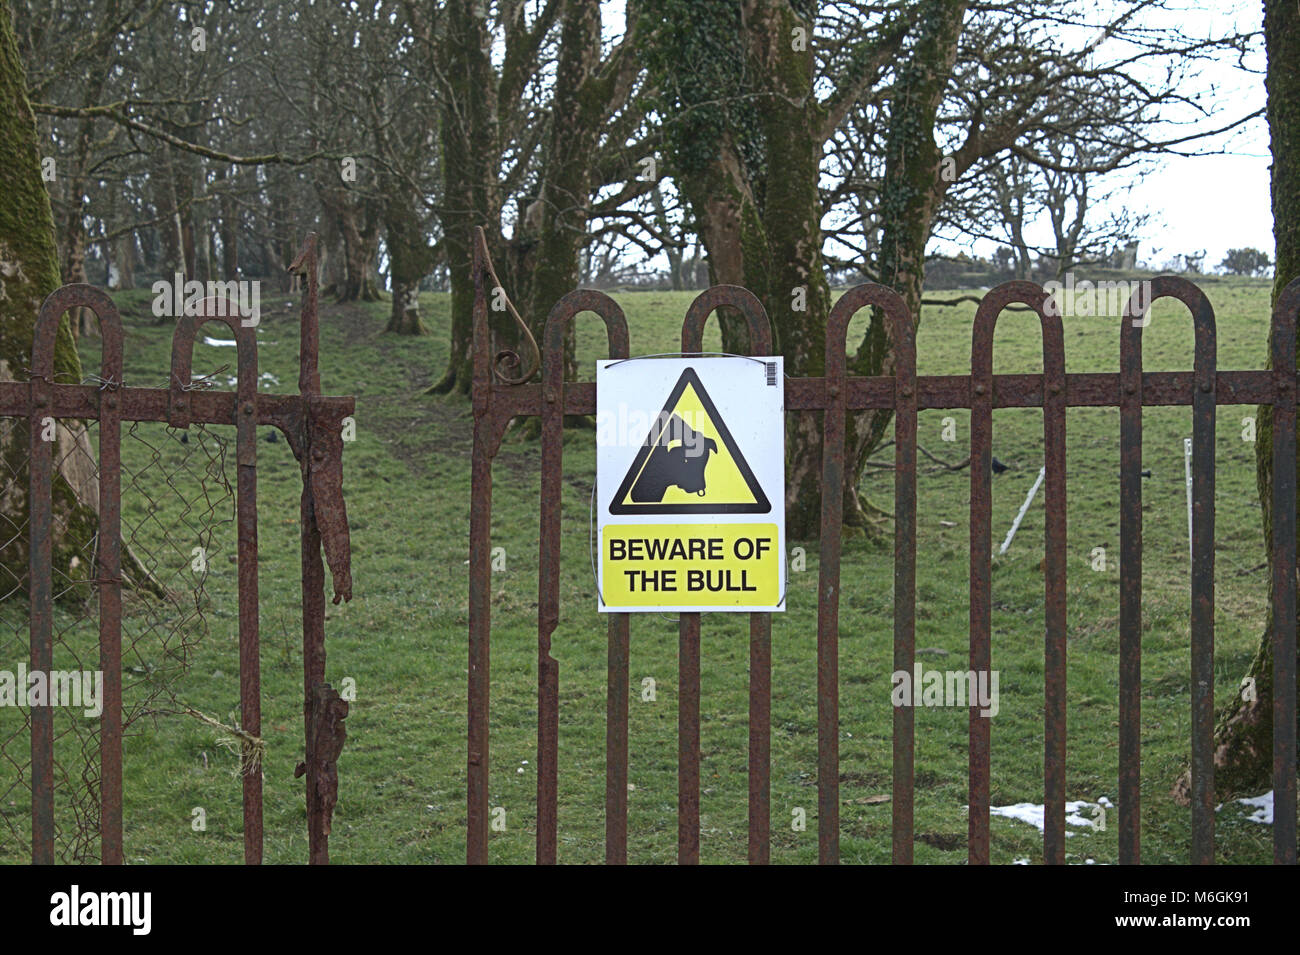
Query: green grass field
x,y
403,638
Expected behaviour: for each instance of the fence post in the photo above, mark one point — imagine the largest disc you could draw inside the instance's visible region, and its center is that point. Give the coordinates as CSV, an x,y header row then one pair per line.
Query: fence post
x,y
548,597
179,414
486,439
1284,570
1054,402
760,637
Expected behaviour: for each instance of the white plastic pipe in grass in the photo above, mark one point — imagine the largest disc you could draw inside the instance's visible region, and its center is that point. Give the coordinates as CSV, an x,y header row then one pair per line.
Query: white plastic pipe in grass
x,y
1187,467
1015,525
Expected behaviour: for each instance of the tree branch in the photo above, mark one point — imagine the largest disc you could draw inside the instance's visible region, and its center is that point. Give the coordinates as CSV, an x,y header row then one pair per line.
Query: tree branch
x,y
116,112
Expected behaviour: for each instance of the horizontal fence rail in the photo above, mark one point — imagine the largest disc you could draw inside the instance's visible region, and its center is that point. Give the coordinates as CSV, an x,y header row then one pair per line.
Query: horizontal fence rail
x,y
311,423
498,398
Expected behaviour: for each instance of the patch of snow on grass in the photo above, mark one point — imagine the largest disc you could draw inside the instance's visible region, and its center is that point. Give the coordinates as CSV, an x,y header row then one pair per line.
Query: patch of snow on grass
x,y
1033,813
1263,806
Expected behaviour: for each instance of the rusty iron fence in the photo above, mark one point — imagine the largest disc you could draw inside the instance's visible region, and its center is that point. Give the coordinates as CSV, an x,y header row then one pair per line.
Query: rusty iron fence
x,y
499,397
310,421
176,494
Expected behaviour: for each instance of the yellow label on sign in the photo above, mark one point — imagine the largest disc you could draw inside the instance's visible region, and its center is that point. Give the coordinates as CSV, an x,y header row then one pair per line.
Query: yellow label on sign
x,y
707,565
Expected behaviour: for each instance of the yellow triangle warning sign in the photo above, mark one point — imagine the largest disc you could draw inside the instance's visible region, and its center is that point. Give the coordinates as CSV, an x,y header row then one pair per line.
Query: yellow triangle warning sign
x,y
689,463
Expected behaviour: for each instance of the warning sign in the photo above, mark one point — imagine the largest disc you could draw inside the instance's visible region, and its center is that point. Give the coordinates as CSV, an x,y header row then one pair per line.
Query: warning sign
x,y
687,438
690,484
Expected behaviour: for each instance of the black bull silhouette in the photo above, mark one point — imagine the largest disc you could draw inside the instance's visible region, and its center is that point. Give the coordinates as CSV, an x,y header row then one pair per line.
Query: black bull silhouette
x,y
678,458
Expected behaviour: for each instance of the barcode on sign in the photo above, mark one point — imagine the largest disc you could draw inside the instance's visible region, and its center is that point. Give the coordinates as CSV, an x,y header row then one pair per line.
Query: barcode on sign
x,y
771,374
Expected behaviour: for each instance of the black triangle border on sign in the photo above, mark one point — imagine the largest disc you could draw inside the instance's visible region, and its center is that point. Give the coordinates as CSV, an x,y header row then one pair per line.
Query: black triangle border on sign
x,y
761,504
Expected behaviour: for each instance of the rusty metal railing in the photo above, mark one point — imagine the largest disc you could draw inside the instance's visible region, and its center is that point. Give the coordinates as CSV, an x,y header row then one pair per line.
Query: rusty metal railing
x,y
497,399
310,421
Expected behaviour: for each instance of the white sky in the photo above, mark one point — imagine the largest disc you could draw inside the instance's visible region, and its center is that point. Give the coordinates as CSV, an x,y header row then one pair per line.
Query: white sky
x,y
1220,201
1217,201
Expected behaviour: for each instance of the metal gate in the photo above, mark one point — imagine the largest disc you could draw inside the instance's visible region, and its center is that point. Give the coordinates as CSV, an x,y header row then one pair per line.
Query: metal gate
x,y
310,421
497,398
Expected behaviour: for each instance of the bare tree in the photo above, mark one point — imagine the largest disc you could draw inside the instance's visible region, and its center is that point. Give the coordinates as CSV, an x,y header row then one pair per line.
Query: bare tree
x,y
933,89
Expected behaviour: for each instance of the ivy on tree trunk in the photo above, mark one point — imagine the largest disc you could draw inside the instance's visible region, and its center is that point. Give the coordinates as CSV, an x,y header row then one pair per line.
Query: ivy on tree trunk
x,y
471,158
1243,744
910,195
746,138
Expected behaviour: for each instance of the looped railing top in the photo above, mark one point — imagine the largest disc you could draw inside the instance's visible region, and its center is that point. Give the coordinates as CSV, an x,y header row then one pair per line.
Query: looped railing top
x,y
1201,534
828,584
548,597
1054,402
899,328
1136,318
557,325
992,306
47,329
187,326
734,296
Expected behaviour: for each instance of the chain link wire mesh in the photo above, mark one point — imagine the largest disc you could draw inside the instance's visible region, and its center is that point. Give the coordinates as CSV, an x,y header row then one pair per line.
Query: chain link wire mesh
x,y
177,510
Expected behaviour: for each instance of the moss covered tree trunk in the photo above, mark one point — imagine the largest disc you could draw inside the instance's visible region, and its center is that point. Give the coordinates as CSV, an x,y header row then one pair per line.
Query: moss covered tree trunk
x,y
746,145
1243,753
471,158
566,191
796,292
732,229
411,259
910,194
747,138
585,97
333,276
360,233
162,183
565,198
119,252
709,87
228,226
77,183
124,259
29,271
